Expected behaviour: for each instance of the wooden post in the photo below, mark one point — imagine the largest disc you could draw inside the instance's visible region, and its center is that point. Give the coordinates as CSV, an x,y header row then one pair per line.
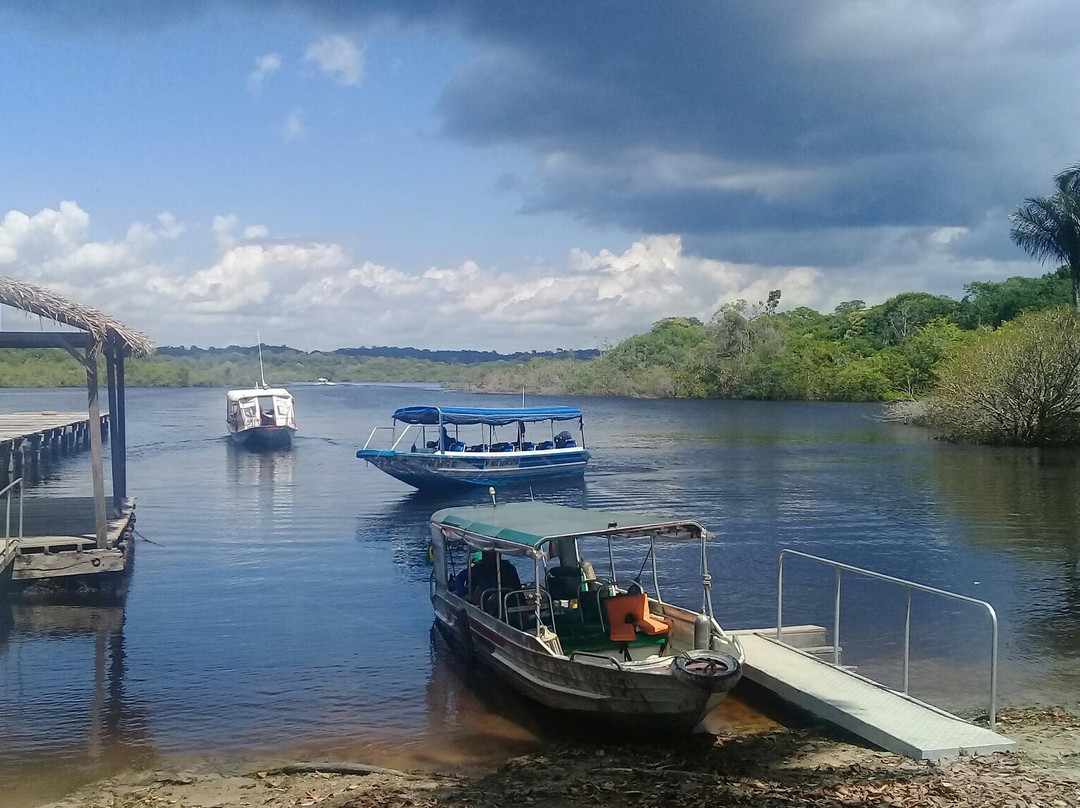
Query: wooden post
x,y
35,458
114,454
96,460
119,422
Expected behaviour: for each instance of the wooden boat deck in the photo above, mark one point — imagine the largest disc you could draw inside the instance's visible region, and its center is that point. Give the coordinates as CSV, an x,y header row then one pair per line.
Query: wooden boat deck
x,y
866,708
59,539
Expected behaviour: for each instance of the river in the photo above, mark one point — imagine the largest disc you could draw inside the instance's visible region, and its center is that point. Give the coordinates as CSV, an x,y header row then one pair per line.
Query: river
x,y
278,606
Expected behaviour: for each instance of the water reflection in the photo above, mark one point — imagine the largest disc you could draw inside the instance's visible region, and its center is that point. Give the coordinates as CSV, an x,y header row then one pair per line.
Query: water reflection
x,y
262,481
404,523
1025,504
76,719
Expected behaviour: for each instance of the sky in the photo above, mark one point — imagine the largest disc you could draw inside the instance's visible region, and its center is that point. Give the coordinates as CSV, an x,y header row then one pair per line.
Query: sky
x,y
506,176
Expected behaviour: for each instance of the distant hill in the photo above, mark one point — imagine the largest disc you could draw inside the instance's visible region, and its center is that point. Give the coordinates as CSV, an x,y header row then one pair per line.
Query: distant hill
x,y
463,357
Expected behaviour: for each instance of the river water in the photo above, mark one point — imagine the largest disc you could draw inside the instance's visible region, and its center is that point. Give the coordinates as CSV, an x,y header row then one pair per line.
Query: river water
x,y
279,608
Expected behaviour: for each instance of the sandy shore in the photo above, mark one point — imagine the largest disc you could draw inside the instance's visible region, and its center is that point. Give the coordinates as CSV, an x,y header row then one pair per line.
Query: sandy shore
x,y
779,767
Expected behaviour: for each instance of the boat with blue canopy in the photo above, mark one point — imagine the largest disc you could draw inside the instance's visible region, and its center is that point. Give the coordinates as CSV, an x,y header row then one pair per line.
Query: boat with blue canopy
x,y
444,447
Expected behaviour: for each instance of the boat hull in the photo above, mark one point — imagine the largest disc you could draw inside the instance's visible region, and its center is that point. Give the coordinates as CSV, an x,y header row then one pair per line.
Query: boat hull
x,y
264,437
644,695
464,469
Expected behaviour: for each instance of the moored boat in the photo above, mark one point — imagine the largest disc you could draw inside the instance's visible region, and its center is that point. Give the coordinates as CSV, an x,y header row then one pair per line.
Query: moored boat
x,y
440,447
577,639
261,417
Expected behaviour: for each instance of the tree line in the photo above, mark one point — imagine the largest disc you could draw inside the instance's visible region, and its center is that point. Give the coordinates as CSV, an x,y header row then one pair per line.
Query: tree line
x,y
886,352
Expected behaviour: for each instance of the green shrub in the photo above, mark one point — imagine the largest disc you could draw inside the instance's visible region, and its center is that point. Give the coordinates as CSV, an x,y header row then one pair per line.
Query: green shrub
x,y
1017,385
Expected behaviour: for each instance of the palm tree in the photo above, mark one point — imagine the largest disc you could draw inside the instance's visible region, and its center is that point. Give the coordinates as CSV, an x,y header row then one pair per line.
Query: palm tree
x,y
1048,227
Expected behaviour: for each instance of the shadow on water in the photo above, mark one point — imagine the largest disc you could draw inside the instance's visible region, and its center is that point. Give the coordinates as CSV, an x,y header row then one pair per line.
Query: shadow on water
x,y
86,733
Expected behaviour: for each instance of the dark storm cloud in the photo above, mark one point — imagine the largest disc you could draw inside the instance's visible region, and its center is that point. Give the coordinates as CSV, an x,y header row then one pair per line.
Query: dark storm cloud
x,y
719,119
708,118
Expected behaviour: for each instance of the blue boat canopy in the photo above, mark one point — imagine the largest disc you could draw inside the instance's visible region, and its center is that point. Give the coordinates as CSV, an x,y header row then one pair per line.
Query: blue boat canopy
x,y
478,415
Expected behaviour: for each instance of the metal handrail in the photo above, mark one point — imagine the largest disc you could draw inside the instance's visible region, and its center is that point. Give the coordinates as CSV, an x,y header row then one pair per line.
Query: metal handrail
x,y
376,429
908,586
7,522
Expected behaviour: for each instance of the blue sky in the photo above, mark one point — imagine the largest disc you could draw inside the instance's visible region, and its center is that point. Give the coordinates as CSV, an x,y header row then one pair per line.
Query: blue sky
x,y
526,175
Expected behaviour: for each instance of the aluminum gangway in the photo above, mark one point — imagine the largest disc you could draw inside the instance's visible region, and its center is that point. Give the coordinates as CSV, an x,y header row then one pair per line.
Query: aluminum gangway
x,y
890,719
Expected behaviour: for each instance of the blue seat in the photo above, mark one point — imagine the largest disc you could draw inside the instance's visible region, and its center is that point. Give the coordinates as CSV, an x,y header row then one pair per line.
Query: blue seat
x,y
528,446
502,447
545,444
478,447
457,446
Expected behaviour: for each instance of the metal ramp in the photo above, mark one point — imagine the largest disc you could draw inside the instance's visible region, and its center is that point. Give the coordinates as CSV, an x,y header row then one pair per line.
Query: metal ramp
x,y
866,708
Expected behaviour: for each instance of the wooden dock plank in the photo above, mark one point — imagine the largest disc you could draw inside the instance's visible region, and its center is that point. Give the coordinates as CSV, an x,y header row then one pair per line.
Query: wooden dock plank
x,y
870,710
15,425
59,516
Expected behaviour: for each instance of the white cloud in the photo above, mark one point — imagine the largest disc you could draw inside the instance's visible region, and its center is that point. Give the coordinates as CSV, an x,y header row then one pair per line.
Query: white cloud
x,y
339,57
169,226
293,128
223,227
265,66
314,295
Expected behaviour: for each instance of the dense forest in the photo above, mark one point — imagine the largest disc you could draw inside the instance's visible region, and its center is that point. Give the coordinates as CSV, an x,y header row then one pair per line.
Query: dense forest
x,y
890,351
746,350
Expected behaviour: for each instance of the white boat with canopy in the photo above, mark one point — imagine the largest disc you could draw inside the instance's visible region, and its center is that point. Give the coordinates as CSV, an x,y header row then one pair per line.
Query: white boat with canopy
x,y
260,416
577,638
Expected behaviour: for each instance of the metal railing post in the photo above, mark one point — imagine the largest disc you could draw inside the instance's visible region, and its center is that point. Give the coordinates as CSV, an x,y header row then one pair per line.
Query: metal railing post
x,y
836,622
780,599
993,667
907,637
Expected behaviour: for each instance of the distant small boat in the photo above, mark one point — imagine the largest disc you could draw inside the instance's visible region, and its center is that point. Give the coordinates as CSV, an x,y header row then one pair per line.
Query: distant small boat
x,y
261,416
322,380
424,454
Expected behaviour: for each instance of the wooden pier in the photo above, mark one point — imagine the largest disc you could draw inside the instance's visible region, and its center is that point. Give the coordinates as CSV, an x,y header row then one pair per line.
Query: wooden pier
x,y
68,545
32,440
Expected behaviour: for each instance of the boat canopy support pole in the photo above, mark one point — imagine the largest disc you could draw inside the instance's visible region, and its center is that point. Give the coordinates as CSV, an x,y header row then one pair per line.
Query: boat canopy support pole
x,y
706,579
655,572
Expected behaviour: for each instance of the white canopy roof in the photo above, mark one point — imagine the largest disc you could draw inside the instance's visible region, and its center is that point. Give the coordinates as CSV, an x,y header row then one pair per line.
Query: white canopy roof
x,y
255,392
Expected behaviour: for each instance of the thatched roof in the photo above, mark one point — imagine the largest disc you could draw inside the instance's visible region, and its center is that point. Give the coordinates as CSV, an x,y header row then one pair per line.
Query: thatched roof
x,y
105,330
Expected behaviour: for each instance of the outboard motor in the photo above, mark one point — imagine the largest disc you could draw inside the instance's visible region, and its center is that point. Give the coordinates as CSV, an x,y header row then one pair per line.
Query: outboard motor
x,y
702,632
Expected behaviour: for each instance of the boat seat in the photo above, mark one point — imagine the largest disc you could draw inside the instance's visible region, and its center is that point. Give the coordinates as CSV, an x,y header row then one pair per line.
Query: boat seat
x,y
502,447
628,613
545,444
564,583
528,446
477,447
457,446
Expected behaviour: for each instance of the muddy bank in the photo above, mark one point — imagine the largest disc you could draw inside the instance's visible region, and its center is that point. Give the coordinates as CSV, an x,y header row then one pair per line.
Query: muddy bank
x,y
779,767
